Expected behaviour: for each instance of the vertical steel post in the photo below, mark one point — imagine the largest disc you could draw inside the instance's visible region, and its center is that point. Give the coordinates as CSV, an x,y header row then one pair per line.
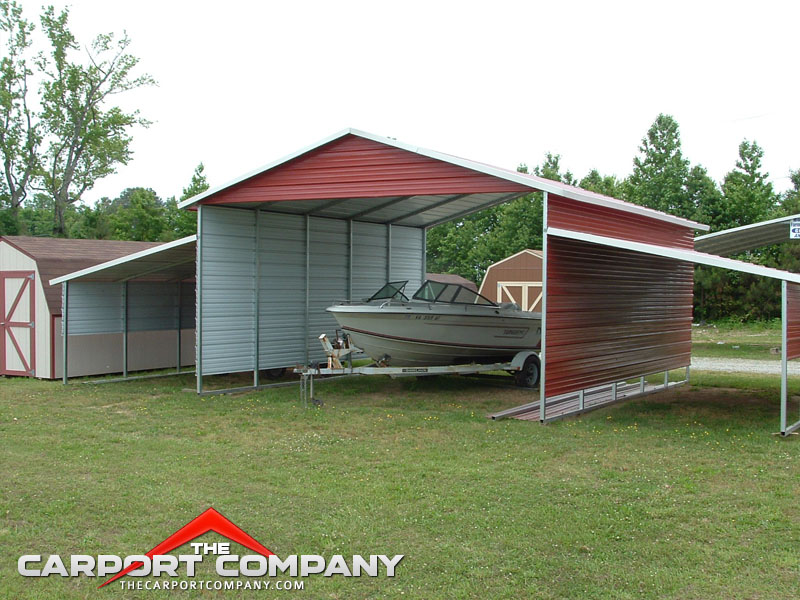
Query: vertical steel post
x,y
666,379
614,392
180,315
424,273
125,330
257,301
641,385
688,373
308,279
543,353
581,400
350,260
64,331
198,299
784,353
388,252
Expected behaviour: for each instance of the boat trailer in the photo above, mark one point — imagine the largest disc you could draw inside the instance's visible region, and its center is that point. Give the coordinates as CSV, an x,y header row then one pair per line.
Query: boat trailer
x,y
525,367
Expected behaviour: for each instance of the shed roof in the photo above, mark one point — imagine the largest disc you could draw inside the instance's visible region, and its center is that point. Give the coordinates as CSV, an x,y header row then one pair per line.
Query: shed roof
x,y
746,237
451,278
358,175
57,256
172,261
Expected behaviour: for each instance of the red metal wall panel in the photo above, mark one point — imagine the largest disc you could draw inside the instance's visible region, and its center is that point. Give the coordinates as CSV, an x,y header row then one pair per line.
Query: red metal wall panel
x,y
601,220
354,167
792,321
613,314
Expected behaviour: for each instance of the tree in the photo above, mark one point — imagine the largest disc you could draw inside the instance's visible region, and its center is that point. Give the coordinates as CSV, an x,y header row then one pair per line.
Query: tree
x,y
19,133
705,195
660,173
138,214
606,185
748,196
180,222
86,139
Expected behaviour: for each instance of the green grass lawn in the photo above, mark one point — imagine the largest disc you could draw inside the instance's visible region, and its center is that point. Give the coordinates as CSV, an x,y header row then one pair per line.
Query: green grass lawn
x,y
737,340
685,494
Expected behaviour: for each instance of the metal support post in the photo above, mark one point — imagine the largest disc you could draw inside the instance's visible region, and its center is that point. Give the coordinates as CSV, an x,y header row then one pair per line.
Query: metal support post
x,y
784,353
614,392
389,252
180,315
581,403
125,330
199,302
65,332
666,379
424,273
543,353
350,260
257,302
641,384
308,279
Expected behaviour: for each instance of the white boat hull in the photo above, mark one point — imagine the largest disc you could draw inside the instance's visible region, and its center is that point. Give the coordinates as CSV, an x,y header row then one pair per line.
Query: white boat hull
x,y
417,334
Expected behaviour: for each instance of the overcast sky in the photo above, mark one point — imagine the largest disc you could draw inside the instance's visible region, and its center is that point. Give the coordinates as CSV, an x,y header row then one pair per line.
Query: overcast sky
x,y
244,83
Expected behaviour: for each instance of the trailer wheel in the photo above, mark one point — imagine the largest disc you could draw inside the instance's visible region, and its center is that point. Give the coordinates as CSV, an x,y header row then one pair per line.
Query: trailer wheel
x,y
529,375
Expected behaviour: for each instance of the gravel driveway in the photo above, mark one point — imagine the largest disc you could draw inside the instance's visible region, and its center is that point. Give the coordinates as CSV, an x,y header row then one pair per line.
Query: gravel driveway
x,y
743,365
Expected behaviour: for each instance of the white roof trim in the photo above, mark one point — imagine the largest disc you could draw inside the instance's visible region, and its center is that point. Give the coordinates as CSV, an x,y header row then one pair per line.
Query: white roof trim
x,y
691,256
531,181
735,230
123,259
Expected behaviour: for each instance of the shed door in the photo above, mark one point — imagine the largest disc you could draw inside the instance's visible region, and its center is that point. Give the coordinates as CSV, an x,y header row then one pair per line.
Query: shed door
x,y
17,331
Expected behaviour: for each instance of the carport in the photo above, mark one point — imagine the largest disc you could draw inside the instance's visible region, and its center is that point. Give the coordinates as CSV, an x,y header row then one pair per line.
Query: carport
x,y
143,296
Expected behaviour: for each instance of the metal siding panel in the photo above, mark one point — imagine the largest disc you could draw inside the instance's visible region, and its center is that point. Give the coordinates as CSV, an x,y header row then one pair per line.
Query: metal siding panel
x,y
329,258
600,220
407,256
152,306
281,290
228,294
94,308
369,258
354,167
613,314
792,321
188,316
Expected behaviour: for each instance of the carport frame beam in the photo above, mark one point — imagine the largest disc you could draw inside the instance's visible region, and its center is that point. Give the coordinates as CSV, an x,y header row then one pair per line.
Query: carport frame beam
x,y
65,333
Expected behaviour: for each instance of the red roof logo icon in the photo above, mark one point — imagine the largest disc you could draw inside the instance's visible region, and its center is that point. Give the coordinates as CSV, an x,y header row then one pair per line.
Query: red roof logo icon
x,y
210,520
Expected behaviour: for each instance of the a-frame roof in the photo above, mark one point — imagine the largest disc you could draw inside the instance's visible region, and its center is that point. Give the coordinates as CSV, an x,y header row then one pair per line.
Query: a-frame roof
x,y
358,175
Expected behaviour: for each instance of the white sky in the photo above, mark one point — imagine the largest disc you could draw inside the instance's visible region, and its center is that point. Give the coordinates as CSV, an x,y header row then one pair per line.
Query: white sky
x,y
502,82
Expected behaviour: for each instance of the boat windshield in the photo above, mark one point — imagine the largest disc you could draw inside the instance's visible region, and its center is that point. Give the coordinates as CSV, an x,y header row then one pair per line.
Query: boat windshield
x,y
391,291
452,293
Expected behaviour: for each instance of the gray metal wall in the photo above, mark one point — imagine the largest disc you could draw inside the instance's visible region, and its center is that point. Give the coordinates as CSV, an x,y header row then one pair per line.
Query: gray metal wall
x,y
344,260
97,307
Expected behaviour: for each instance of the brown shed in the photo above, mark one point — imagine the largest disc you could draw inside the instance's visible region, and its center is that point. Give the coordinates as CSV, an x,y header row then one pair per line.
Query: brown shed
x,y
450,278
517,278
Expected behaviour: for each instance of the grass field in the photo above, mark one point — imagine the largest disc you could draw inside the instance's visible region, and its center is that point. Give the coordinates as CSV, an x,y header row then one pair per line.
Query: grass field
x,y
685,494
757,340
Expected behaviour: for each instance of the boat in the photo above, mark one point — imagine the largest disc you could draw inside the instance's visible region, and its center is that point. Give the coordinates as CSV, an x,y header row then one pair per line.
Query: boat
x,y
441,324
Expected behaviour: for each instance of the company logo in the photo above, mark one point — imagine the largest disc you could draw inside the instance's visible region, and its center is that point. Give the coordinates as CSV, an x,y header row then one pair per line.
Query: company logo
x,y
158,563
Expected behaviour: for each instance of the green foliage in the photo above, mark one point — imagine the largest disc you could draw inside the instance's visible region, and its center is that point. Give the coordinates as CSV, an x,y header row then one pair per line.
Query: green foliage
x,y
660,173
65,134
607,185
181,223
748,196
20,134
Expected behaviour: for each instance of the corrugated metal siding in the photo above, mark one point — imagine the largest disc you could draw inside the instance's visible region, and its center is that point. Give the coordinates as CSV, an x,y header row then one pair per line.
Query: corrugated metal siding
x,y
369,258
228,290
600,220
95,308
354,167
328,277
792,321
613,314
282,289
188,316
407,257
